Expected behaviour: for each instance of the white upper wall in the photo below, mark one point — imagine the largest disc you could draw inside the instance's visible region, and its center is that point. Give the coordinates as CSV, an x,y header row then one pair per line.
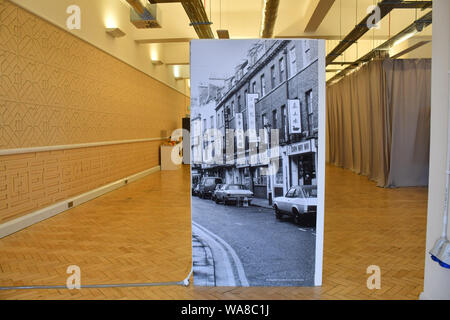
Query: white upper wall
x,y
95,16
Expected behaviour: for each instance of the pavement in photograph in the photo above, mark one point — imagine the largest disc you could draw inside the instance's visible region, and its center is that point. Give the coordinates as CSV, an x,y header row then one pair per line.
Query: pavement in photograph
x,y
248,246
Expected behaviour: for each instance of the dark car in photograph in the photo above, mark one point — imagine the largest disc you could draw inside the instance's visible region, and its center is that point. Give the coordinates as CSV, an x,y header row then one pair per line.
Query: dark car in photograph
x,y
207,186
233,193
299,202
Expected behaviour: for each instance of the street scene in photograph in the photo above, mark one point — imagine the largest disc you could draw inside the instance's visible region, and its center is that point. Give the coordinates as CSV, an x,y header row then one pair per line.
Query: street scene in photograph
x,y
254,142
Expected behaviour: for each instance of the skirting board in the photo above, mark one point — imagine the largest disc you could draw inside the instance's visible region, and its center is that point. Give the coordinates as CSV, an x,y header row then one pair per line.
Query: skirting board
x,y
25,221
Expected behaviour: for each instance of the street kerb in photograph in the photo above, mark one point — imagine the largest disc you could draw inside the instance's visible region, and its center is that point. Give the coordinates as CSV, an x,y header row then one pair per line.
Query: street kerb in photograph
x,y
257,162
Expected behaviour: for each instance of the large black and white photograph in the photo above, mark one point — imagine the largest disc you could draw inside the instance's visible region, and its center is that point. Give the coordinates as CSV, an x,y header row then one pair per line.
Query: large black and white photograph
x,y
257,190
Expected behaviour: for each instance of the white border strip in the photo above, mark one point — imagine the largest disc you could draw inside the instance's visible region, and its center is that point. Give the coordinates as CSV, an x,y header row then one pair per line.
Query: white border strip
x,y
6,152
50,211
321,168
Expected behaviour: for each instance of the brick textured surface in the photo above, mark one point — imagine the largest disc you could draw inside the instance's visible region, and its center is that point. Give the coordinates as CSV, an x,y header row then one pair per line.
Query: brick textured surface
x,y
56,89
32,181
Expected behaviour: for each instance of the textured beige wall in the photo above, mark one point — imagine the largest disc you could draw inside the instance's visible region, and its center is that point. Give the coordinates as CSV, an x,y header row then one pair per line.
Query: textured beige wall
x,y
56,89
35,180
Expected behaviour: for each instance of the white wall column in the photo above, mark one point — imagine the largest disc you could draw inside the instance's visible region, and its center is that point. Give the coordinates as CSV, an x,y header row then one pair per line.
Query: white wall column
x,y
437,278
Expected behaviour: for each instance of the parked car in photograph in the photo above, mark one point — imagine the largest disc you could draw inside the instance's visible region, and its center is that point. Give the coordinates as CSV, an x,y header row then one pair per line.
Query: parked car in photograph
x,y
195,189
233,193
207,186
218,187
299,202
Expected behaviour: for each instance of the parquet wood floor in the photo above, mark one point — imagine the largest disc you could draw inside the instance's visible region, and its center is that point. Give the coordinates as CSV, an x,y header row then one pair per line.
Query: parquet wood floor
x,y
141,233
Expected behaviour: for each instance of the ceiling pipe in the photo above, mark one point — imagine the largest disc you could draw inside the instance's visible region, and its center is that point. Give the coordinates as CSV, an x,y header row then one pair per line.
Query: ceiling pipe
x,y
416,26
197,15
359,30
269,17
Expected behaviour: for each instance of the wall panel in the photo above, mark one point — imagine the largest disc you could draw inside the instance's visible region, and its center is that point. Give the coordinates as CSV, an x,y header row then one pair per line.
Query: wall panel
x,y
56,89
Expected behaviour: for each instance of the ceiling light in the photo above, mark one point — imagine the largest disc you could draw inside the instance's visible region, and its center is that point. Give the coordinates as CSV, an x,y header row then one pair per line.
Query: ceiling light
x,y
115,32
157,62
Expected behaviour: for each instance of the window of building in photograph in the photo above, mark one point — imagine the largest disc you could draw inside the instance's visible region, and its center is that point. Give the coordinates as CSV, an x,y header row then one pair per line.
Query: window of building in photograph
x,y
264,120
239,105
272,76
282,69
309,109
263,85
308,100
279,175
229,112
284,123
307,51
233,110
218,120
293,59
274,119
204,125
254,87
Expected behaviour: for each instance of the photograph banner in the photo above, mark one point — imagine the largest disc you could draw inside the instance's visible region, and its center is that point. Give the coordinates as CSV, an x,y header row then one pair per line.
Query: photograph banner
x,y
257,214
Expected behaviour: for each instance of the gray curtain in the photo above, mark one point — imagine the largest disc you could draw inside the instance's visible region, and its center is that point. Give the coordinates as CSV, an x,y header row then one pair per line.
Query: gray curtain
x,y
378,122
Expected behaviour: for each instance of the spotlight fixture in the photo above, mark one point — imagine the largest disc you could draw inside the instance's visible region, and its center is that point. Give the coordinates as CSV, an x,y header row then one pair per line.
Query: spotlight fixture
x,y
115,32
157,62
223,34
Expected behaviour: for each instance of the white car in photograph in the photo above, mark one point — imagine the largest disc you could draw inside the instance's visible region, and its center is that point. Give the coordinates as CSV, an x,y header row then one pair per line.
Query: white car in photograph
x,y
298,202
233,193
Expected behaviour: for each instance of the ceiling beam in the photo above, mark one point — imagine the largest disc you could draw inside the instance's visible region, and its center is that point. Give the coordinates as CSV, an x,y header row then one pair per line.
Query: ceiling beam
x,y
358,31
269,17
409,5
408,50
416,26
162,40
199,19
197,14
318,15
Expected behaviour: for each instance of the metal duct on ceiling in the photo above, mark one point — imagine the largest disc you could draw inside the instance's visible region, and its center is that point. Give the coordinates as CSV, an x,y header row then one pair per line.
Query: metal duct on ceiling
x,y
416,26
359,30
197,15
270,12
143,16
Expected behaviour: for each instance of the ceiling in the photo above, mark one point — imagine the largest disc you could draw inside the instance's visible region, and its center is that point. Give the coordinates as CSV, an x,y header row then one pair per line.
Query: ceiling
x,y
243,19
169,45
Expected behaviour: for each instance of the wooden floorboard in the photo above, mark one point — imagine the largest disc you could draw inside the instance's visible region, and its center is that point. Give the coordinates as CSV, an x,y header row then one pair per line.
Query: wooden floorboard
x,y
141,233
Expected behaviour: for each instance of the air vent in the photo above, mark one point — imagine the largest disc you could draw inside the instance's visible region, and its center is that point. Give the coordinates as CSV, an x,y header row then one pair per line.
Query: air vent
x,y
70,204
147,19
